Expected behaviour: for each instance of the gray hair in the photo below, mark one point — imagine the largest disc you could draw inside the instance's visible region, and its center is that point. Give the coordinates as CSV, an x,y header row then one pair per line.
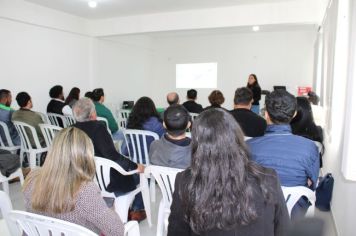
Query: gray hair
x,y
82,109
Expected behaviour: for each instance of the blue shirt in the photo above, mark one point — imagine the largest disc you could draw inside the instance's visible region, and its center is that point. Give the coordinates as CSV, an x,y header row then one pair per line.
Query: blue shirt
x,y
294,158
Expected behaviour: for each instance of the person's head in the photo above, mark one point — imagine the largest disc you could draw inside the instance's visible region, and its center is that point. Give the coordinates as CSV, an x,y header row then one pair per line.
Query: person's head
x,y
24,100
143,109
221,175
176,120
98,95
69,164
89,94
172,98
84,110
5,97
313,98
281,107
192,94
252,79
243,98
56,92
216,98
73,95
303,122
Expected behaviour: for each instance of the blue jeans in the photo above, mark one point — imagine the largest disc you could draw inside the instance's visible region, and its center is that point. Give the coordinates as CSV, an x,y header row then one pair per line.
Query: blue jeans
x,y
256,109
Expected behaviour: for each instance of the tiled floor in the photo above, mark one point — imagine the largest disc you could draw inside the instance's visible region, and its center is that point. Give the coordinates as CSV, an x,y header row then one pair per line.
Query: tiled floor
x,y
18,204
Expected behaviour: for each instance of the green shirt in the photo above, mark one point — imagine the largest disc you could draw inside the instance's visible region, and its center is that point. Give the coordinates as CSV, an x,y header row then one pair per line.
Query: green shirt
x,y
103,111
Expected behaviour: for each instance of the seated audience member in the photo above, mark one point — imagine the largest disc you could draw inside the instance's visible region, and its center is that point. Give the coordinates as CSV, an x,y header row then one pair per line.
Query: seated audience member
x,y
103,111
72,97
57,104
5,116
64,188
172,98
318,111
216,99
85,115
252,124
173,149
191,105
89,94
29,117
295,158
9,163
223,192
144,116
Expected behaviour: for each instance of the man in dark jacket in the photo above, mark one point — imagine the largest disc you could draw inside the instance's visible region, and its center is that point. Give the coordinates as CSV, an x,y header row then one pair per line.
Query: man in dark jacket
x,y
191,105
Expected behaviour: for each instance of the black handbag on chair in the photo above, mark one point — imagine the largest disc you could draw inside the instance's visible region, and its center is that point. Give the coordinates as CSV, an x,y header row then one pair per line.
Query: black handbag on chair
x,y
324,192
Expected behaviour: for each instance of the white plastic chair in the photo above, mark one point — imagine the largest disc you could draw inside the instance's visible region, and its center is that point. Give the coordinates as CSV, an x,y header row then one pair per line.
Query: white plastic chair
x,y
293,194
4,180
122,122
132,229
125,113
10,145
137,140
54,119
7,227
106,123
26,144
165,178
193,115
123,202
49,132
69,120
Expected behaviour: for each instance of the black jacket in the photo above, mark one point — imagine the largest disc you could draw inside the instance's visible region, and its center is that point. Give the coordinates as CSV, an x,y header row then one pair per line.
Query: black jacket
x,y
104,147
251,124
193,107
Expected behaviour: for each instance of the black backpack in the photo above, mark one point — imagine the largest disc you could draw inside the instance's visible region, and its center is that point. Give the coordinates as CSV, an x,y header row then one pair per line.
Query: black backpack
x,y
9,163
324,192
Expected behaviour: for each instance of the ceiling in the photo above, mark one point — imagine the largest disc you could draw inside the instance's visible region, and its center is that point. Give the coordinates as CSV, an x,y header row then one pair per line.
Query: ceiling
x,y
117,8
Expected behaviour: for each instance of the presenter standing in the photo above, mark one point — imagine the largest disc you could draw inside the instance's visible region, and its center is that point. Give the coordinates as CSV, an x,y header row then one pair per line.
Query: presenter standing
x,y
256,90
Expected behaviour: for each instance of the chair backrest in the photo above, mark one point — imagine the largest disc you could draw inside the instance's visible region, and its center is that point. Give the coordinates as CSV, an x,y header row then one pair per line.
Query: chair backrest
x,y
6,208
193,115
39,225
24,131
122,123
5,131
125,113
293,194
102,174
106,123
136,142
44,117
55,119
49,132
69,120
165,177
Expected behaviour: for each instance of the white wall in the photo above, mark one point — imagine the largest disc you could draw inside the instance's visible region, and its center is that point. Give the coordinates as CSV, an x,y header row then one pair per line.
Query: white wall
x,y
277,58
34,58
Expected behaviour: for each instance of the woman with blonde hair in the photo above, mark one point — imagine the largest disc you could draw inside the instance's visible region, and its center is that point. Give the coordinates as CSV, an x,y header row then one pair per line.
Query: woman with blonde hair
x,y
64,188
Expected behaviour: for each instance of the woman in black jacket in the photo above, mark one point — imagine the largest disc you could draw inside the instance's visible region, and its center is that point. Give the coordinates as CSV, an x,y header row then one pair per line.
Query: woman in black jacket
x,y
223,192
256,90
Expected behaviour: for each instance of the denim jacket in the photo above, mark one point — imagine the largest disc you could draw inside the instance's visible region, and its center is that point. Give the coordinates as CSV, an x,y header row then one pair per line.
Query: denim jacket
x,y
294,158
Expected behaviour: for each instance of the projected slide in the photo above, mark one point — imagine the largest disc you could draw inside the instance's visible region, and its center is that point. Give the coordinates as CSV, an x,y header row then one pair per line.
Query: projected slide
x,y
196,75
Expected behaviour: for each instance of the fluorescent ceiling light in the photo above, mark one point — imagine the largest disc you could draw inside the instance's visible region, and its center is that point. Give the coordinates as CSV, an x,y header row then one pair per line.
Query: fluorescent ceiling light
x,y
92,4
256,28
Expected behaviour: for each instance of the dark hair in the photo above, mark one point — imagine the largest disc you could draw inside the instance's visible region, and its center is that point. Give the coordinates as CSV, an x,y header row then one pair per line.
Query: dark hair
x,y
216,98
192,94
22,99
89,94
97,94
176,119
223,181
4,93
313,98
73,95
143,109
281,106
255,83
303,123
243,96
55,91
174,100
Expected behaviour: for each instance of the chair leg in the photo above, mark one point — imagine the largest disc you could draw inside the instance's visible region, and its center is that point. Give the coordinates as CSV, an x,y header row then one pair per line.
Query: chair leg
x,y
122,205
160,219
5,187
146,197
21,176
153,189
32,160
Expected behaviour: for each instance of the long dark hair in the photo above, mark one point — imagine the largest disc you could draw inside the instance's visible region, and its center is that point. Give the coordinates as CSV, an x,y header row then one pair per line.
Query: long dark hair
x,y
143,109
303,123
73,94
223,181
255,84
